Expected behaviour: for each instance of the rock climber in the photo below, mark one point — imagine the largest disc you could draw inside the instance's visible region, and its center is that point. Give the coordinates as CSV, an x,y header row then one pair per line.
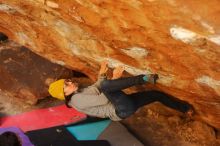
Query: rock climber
x,y
105,98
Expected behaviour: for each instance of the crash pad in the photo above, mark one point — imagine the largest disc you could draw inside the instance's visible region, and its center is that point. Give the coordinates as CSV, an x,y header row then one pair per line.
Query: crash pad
x,y
88,131
60,136
118,135
43,118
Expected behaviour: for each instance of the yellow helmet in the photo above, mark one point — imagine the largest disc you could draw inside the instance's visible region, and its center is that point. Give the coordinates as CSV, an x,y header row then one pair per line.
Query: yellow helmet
x,y
56,89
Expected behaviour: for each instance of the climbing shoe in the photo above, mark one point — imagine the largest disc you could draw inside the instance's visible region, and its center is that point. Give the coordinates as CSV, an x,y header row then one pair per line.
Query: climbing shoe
x,y
151,78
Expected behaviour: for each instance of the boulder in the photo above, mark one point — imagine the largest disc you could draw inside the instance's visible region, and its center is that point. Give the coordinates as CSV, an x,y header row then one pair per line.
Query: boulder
x,y
26,75
177,39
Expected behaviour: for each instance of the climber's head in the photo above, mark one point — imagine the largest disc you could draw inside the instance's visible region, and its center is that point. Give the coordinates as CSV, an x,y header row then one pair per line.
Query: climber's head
x,y
63,87
70,87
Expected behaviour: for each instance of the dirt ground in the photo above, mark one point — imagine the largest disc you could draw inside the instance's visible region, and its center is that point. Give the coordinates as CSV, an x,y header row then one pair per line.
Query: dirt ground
x,y
154,125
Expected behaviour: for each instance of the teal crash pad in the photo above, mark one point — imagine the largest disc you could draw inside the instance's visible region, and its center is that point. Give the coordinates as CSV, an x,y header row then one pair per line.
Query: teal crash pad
x,y
88,131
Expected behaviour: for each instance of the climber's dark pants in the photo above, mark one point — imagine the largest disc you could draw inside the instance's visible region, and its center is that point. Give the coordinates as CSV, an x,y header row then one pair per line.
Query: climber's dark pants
x,y
127,104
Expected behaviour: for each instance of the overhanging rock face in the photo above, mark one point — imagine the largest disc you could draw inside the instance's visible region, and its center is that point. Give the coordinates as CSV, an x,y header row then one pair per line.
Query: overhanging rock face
x,y
26,75
179,40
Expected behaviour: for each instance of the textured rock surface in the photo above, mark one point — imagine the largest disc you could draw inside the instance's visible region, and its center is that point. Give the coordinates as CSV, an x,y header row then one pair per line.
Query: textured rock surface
x,y
177,39
158,126
25,75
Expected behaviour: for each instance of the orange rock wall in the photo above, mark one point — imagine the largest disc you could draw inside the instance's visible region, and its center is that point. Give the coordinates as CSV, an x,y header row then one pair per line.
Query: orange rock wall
x,y
179,40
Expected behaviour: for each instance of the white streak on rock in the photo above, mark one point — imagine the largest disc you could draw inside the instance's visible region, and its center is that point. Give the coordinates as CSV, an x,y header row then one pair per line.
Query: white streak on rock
x,y
208,81
215,39
136,52
189,37
58,62
182,34
7,8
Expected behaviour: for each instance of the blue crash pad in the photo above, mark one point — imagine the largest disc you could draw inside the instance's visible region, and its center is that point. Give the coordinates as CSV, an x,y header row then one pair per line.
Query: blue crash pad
x,y
88,131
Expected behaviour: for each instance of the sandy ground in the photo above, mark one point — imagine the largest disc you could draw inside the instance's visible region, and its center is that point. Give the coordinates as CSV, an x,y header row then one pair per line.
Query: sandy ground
x,y
154,124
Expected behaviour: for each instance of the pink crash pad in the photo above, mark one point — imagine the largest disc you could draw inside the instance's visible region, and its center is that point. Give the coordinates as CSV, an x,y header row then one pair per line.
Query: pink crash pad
x,y
43,118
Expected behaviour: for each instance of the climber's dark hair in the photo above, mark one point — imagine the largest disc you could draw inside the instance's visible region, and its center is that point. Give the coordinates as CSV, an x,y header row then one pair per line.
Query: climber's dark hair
x,y
9,139
67,99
